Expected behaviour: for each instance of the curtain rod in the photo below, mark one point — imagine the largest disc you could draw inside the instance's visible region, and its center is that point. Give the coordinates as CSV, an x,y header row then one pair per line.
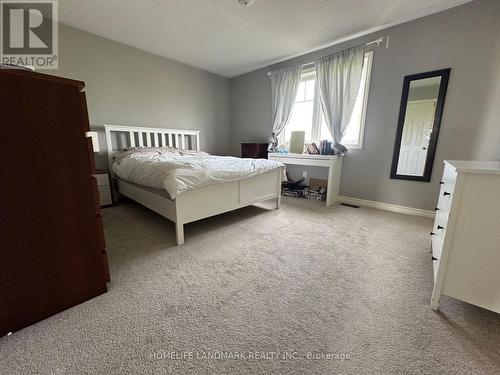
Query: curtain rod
x,y
377,41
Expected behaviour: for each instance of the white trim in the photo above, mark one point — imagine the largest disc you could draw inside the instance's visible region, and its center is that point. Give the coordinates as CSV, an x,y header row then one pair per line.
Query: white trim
x,y
386,206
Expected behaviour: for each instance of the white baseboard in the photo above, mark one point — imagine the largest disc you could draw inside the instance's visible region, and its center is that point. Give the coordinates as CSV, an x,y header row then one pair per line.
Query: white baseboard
x,y
386,206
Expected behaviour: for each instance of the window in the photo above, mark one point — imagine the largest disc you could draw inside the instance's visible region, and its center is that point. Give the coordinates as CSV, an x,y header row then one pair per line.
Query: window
x,y
307,114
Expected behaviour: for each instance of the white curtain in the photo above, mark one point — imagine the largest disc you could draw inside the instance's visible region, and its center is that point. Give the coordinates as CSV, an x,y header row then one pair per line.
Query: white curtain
x,y
338,78
284,86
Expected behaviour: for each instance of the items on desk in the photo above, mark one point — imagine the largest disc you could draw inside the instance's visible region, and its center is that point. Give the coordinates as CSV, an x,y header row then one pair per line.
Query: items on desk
x,y
314,195
297,189
326,147
282,150
293,188
331,148
312,148
317,189
297,139
273,143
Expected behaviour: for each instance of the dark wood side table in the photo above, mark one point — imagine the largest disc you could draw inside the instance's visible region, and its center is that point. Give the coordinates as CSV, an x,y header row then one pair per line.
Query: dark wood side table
x,y
254,150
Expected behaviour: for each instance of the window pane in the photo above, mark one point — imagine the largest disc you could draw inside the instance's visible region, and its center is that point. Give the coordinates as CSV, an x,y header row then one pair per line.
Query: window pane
x,y
353,131
351,137
302,114
301,92
301,120
305,119
310,89
325,134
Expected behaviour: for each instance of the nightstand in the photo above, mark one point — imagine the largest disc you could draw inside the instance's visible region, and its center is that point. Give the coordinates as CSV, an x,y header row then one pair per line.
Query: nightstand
x,y
104,187
254,150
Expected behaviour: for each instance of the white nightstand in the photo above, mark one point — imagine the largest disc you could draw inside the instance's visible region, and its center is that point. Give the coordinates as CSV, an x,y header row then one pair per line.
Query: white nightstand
x,y
104,187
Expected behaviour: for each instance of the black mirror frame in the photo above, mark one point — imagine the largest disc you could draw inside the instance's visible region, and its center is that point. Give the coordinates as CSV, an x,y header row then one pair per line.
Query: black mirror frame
x,y
429,161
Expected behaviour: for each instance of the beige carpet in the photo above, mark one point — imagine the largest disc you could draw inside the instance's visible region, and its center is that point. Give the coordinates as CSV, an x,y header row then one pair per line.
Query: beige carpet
x,y
261,284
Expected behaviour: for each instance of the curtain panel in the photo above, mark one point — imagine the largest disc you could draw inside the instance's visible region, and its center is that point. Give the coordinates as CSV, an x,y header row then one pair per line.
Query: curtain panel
x,y
284,86
338,78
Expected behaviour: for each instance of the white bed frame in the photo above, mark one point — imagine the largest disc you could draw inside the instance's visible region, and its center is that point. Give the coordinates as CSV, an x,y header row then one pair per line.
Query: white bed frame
x,y
194,204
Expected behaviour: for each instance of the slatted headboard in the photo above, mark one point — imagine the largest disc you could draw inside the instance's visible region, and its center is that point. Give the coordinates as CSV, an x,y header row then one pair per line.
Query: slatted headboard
x,y
120,137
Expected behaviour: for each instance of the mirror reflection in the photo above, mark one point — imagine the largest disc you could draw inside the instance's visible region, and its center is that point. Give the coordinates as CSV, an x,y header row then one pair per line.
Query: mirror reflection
x,y
418,124
420,114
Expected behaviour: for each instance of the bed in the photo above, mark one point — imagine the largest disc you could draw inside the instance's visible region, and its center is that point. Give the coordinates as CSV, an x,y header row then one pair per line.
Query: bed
x,y
194,204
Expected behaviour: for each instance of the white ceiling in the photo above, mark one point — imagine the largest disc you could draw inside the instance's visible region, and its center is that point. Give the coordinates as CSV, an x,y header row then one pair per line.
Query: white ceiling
x,y
223,37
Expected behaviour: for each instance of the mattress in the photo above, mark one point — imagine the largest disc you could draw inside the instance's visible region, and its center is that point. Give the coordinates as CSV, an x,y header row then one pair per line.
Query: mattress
x,y
177,171
161,192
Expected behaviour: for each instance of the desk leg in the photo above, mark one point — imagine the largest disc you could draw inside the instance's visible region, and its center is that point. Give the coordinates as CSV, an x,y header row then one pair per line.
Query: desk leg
x,y
334,173
328,199
330,195
278,198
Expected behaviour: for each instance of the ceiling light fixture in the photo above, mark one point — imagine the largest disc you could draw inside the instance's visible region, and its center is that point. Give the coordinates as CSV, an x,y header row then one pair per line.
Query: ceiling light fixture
x,y
246,3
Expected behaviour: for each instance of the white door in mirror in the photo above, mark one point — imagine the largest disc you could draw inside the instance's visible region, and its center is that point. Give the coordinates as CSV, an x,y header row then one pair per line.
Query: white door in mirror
x,y
419,119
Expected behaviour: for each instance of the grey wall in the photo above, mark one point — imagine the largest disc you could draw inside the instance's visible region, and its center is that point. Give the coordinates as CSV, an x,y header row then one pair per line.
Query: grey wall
x,y
127,86
466,39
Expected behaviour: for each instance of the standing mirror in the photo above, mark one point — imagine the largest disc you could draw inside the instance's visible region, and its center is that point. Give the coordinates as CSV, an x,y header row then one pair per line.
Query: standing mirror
x,y
420,114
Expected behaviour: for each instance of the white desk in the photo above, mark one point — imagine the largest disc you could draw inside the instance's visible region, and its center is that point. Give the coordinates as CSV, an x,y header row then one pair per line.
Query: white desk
x,y
333,163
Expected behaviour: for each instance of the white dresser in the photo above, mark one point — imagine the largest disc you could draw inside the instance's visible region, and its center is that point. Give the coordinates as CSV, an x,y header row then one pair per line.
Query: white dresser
x,y
466,234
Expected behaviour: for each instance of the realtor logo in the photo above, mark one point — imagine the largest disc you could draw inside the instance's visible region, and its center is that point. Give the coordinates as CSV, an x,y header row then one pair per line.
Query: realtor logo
x,y
29,33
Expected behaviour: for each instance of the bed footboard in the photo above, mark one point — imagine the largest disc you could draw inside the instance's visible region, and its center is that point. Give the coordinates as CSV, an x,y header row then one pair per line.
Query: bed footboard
x,y
216,199
207,201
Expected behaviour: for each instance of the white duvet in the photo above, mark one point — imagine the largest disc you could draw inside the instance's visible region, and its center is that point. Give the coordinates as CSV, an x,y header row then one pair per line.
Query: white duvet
x,y
178,171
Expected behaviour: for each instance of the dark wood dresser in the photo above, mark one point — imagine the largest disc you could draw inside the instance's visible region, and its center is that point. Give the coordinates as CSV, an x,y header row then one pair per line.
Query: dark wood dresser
x,y
254,150
52,249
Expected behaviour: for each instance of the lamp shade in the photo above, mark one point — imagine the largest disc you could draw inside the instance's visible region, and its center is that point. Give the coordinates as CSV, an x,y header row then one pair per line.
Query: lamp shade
x,y
95,140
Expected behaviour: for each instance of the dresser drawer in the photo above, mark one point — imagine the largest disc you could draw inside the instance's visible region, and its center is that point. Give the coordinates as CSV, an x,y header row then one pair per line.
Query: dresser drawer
x,y
439,232
102,179
95,194
437,245
447,189
445,199
105,195
449,178
100,231
440,221
435,267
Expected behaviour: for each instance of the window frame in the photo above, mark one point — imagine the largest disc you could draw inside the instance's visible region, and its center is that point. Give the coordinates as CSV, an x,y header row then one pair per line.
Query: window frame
x,y
317,111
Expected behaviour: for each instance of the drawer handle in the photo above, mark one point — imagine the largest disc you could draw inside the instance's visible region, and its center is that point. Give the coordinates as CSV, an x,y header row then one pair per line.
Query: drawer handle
x,y
432,233
436,209
441,182
446,193
434,258
440,227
